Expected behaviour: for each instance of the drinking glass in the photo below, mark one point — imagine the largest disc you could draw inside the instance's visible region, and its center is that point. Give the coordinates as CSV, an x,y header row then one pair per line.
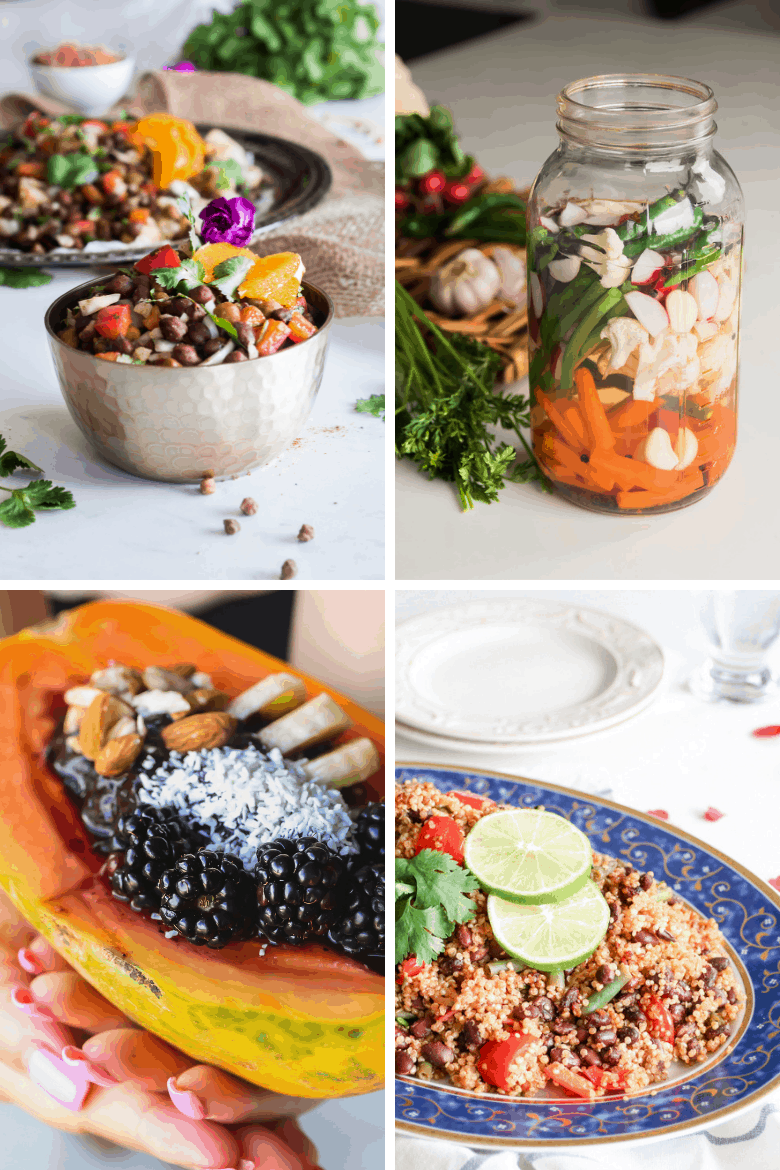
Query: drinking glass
x,y
740,626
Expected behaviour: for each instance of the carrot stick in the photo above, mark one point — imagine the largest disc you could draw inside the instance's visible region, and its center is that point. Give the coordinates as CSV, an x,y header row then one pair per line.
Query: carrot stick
x,y
554,448
651,499
631,414
560,421
633,473
573,417
596,422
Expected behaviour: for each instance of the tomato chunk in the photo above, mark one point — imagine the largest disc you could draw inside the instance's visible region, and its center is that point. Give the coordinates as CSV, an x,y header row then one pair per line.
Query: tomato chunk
x,y
300,328
497,1056
408,969
271,335
660,1024
569,1080
468,798
113,321
163,258
442,834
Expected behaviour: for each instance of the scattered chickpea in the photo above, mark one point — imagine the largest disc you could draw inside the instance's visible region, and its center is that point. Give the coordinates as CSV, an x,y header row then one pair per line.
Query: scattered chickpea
x,y
231,527
289,569
248,506
306,533
208,486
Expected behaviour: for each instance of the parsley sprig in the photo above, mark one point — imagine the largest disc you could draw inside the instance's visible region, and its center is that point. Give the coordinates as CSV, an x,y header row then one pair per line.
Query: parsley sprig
x,y
374,404
24,277
430,900
446,403
18,511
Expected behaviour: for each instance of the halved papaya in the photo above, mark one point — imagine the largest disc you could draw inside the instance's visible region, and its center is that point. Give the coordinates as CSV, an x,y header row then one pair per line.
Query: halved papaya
x,y
299,1020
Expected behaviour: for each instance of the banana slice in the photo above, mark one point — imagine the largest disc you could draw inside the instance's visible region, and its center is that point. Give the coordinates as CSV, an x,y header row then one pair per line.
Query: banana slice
x,y
315,721
273,696
353,761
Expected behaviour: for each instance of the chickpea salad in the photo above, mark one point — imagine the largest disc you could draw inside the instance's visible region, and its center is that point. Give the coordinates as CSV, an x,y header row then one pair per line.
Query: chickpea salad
x,y
525,958
70,183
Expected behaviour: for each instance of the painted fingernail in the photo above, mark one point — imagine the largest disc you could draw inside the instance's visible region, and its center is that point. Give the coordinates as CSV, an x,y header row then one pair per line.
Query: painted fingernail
x,y
97,1076
25,1001
30,962
186,1101
65,1083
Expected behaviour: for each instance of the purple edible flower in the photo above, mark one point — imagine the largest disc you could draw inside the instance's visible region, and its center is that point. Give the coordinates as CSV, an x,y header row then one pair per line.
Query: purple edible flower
x,y
228,221
183,67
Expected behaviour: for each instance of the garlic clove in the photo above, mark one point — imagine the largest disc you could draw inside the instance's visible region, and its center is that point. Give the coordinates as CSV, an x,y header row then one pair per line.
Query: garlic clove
x,y
511,270
704,288
686,448
657,450
549,223
727,295
705,329
571,215
565,269
682,311
466,284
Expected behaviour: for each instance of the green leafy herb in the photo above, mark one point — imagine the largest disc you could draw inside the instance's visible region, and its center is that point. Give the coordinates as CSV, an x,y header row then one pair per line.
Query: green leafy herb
x,y
221,323
18,511
424,144
229,274
314,49
11,460
71,170
185,207
24,277
446,403
375,404
430,892
189,274
229,173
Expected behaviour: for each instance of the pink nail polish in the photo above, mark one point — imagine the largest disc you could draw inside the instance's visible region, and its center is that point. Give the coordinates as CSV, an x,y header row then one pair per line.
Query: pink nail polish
x,y
24,999
30,962
48,1029
186,1101
65,1083
246,1164
75,1058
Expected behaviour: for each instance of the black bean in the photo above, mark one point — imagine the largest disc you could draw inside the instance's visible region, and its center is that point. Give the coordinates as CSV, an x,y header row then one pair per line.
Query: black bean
x,y
201,294
120,284
606,1036
570,999
414,816
694,1049
599,1019
404,1064
282,315
120,345
588,1056
437,1053
178,306
676,1012
546,1008
717,1030
628,1035
666,935
526,1011
647,938
561,1055
646,881
563,1027
495,950
719,962
451,965
211,346
238,355
173,328
709,975
610,1056
472,1037
582,1035
185,354
464,937
245,334
197,334
421,1027
83,323
626,998
732,995
634,1013
682,990
604,974
418,1004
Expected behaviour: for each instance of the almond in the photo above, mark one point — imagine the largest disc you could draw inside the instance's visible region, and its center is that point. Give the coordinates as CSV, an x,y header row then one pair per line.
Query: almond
x,y
101,715
81,696
199,732
183,669
158,678
118,755
207,699
118,679
73,718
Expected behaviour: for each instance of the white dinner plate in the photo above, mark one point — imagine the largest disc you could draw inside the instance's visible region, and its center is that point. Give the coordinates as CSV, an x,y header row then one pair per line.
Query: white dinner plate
x,y
521,671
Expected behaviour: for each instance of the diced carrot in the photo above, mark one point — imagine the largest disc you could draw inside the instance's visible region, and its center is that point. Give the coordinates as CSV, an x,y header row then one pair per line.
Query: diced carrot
x,y
651,499
139,215
33,169
573,417
596,422
669,420
270,336
152,319
300,328
251,315
91,193
631,414
107,357
560,421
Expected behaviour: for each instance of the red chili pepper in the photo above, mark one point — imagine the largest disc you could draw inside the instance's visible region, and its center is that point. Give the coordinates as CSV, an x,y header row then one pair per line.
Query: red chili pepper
x,y
660,1022
163,258
661,813
767,732
300,328
475,175
408,969
442,834
468,798
567,1079
433,183
457,192
113,321
401,200
713,814
497,1056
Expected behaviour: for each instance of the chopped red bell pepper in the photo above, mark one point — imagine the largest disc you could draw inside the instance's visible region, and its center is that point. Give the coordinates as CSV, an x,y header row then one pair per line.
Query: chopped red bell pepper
x,y
569,1080
113,321
300,328
163,258
408,969
767,732
270,336
81,227
34,123
442,834
496,1058
467,798
610,1080
121,127
33,170
660,1024
300,303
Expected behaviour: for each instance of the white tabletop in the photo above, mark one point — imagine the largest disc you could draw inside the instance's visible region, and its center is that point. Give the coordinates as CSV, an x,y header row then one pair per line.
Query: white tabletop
x,y
501,89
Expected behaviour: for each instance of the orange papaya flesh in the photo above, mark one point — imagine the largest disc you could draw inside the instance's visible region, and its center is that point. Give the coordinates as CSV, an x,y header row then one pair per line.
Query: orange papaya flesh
x,y
304,1021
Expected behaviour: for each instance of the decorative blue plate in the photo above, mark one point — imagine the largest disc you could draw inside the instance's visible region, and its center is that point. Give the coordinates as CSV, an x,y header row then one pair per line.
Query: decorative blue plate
x,y
735,1078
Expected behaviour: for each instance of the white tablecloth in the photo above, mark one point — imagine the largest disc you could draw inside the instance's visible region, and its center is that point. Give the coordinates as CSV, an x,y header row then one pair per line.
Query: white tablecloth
x,y
680,755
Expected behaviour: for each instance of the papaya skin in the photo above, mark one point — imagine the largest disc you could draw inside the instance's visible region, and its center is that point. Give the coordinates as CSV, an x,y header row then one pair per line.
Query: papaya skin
x,y
303,1021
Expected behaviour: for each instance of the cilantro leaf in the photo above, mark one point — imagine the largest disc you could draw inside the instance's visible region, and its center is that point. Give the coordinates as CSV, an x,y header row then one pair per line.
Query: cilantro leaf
x,y
15,513
24,277
222,323
18,511
11,460
375,405
431,891
229,274
440,880
189,274
71,170
419,932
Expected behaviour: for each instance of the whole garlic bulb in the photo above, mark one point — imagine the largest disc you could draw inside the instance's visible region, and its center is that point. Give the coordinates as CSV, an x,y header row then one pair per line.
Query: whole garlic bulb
x,y
466,284
511,267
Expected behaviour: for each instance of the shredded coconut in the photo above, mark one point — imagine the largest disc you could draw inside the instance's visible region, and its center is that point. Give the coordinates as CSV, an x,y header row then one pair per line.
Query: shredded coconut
x,y
244,797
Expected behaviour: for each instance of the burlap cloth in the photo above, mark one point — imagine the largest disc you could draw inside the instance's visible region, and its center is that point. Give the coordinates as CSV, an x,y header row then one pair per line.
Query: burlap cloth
x,y
342,239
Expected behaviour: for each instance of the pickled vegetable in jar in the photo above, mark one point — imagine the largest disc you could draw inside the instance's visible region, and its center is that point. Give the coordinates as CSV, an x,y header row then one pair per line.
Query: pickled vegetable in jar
x,y
634,267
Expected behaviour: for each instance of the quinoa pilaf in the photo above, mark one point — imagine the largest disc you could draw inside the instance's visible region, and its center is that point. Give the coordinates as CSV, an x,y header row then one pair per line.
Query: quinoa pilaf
x,y
484,1024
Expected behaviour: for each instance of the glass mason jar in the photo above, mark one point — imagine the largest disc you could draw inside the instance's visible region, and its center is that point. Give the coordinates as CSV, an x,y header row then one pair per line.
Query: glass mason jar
x,y
634,263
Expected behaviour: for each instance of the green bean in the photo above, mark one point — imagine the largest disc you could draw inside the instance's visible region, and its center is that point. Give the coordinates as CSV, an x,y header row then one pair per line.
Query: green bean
x,y
699,265
669,240
584,302
606,994
502,965
560,300
664,203
583,330
405,1018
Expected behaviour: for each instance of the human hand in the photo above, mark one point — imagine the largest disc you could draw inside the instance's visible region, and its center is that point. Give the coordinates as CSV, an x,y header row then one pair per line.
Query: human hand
x,y
69,1058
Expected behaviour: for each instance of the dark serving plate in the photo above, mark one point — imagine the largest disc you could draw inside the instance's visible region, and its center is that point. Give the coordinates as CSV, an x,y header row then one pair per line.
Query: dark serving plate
x,y
297,178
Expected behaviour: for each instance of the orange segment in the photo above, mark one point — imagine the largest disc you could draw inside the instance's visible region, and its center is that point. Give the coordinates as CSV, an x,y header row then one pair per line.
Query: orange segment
x,y
178,150
276,278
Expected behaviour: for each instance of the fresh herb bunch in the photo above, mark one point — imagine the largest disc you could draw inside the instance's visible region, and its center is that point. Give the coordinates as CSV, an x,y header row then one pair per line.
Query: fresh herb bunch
x,y
317,50
495,217
24,277
430,900
18,511
424,144
445,404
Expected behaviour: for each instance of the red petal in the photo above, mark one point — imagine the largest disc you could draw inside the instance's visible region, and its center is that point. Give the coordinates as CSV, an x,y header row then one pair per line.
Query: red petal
x,y
775,882
661,813
767,732
713,814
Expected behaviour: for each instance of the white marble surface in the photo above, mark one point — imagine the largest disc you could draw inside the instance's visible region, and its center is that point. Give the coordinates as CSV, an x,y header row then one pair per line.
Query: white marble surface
x,y
502,90
124,528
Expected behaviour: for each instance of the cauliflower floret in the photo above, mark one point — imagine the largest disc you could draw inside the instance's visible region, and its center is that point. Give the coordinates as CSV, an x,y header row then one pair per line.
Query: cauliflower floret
x,y
670,353
607,257
624,334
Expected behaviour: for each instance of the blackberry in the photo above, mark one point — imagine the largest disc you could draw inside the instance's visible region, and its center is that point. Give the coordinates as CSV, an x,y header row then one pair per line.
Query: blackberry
x,y
209,898
299,890
360,929
151,840
370,834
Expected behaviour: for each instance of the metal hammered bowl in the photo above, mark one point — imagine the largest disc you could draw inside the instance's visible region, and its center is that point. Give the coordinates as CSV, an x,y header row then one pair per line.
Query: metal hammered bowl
x,y
178,425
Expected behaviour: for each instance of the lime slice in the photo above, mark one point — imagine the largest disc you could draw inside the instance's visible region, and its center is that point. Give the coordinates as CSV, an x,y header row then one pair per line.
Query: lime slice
x,y
552,936
528,855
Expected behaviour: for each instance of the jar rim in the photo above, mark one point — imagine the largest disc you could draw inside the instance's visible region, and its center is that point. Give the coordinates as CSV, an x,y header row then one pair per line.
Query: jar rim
x,y
643,111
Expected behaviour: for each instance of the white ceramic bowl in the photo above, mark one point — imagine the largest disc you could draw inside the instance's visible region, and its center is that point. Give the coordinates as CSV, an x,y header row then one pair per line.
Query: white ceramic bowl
x,y
89,89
